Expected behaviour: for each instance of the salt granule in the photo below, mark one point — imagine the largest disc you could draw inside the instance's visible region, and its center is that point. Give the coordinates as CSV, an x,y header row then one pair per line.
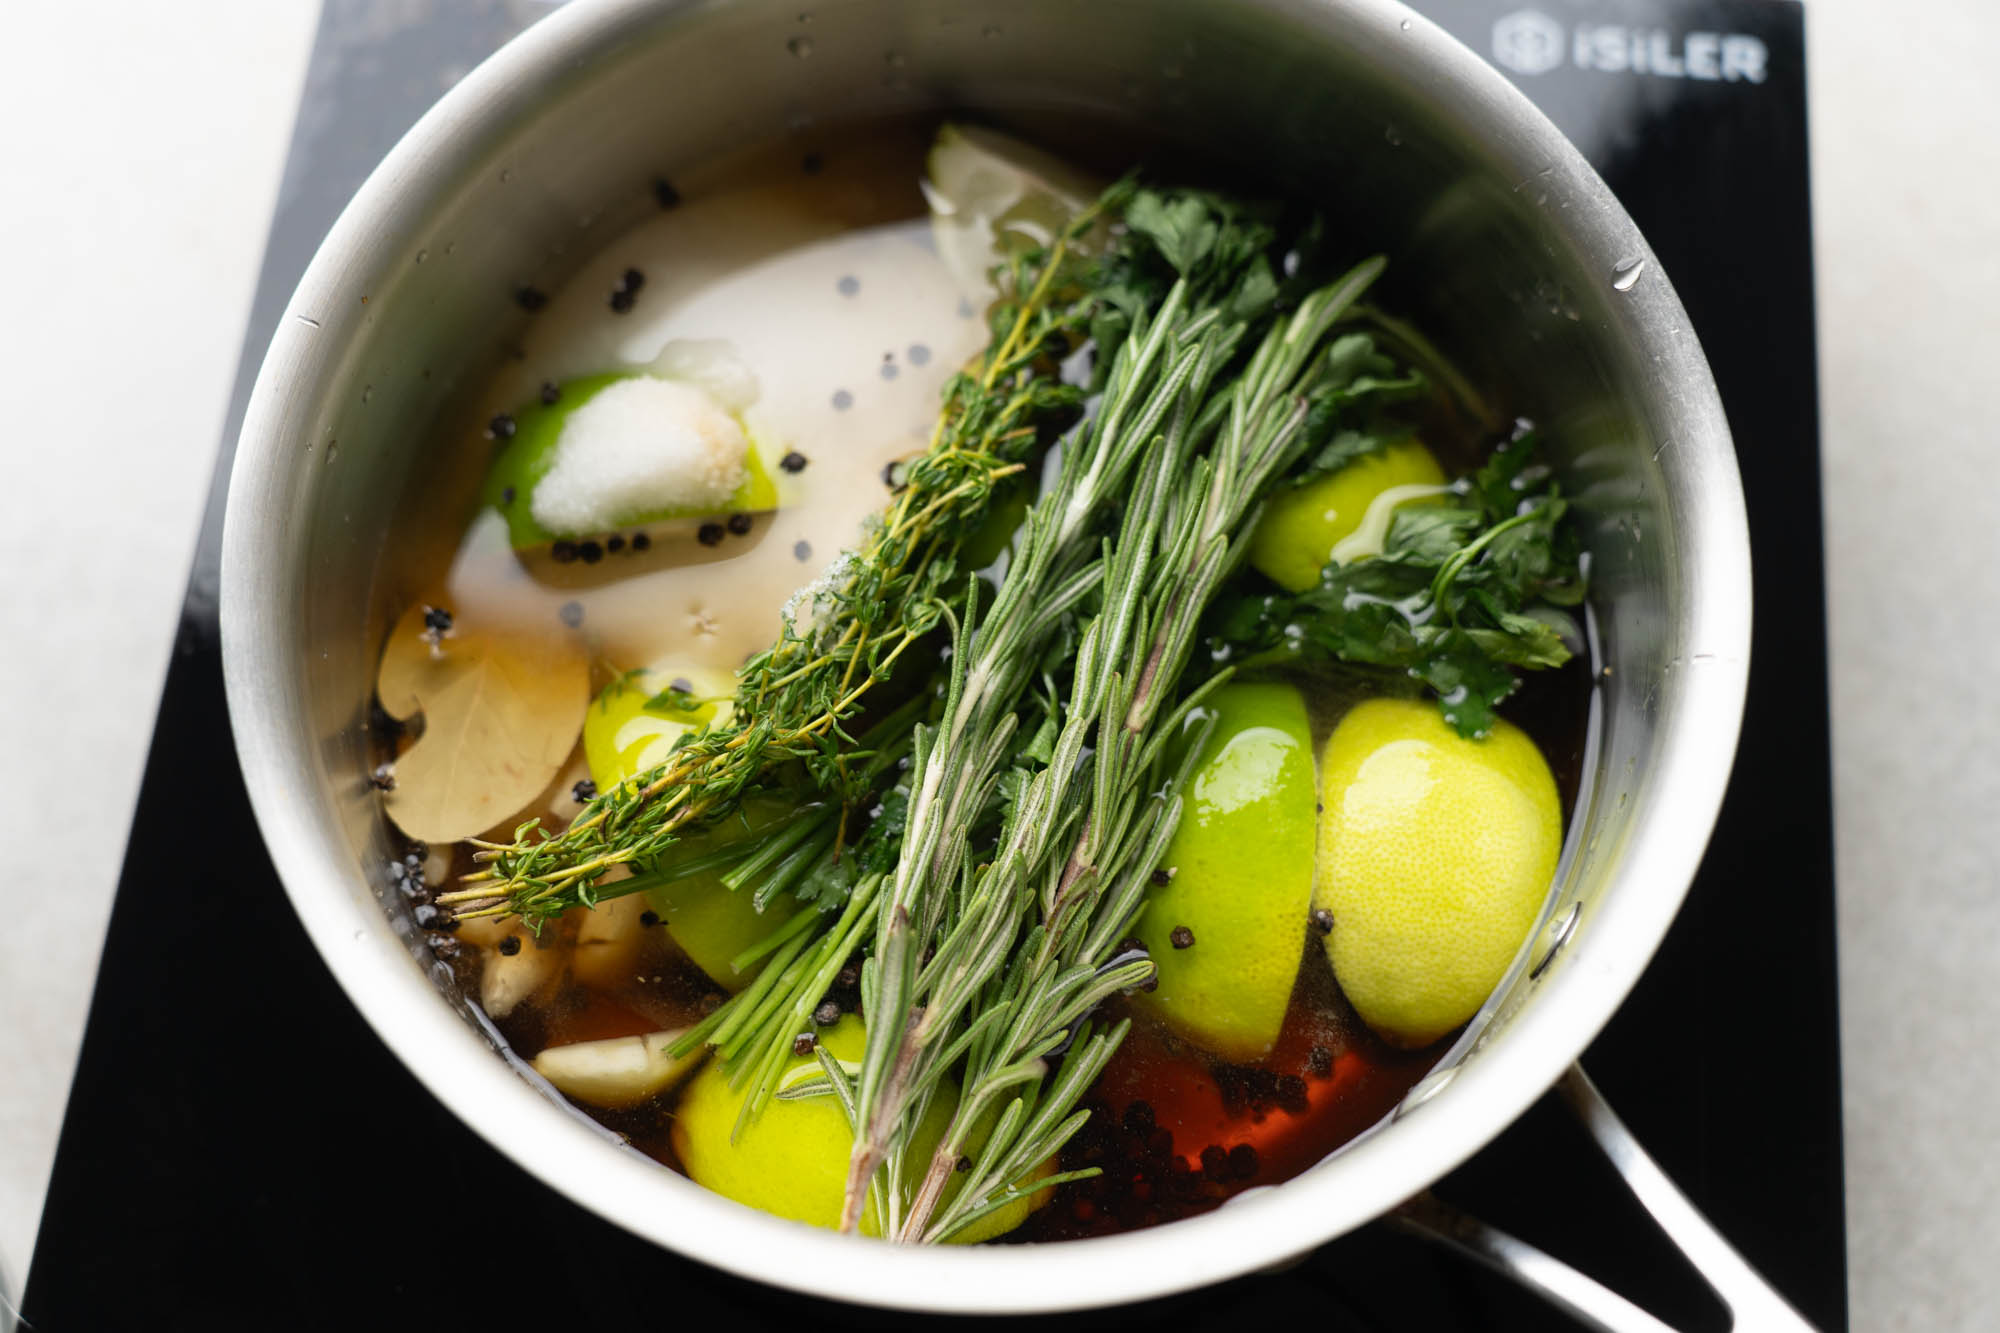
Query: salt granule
x,y
640,446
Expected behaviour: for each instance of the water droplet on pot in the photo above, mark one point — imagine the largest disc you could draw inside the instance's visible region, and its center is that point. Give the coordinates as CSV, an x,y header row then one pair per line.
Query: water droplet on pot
x,y
1393,135
422,255
800,47
1625,274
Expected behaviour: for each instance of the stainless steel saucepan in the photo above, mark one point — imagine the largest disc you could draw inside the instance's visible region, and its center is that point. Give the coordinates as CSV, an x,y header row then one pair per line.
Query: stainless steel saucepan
x,y
545,152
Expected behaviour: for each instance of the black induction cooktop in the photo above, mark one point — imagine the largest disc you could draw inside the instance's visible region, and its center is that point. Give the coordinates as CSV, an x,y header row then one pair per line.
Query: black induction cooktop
x,y
241,1152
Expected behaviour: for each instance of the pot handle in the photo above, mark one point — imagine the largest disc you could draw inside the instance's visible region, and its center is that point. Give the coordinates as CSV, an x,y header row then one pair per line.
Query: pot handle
x,y
1754,1307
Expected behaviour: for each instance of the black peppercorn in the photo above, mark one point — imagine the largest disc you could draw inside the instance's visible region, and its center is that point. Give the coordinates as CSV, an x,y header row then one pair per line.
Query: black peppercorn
x,y
550,393
1243,1161
641,542
530,299
383,778
1322,920
739,524
437,620
589,552
828,1013
803,1043
649,918
793,462
621,301
585,791
510,945
962,1165
849,976
1215,1162
562,552
500,428
614,543
1320,1061
665,193
1161,877
632,280
709,534
1181,938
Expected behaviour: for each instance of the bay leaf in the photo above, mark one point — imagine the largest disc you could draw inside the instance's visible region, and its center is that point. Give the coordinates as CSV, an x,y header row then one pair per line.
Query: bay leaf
x,y
502,710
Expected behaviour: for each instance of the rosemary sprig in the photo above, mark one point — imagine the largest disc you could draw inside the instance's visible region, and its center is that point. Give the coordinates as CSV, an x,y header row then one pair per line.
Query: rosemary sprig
x,y
1026,940
794,700
1170,557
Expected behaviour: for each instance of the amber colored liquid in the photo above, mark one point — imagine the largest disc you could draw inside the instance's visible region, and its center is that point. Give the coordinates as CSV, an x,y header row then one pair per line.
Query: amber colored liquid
x,y
1173,1130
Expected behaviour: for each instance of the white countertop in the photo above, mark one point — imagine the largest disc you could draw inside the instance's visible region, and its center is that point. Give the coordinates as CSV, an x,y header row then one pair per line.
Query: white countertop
x,y
147,143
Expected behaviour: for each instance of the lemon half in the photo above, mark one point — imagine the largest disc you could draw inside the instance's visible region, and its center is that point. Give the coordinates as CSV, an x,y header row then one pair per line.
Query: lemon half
x,y
1435,855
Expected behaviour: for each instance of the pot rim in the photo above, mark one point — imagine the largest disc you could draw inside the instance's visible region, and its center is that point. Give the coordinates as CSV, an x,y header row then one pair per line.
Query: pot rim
x,y
1262,1228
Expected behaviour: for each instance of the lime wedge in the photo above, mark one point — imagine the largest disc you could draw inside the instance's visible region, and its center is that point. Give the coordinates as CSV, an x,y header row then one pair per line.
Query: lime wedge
x,y
991,194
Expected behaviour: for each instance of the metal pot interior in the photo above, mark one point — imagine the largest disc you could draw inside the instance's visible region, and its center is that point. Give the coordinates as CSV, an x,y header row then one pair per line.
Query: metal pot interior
x,y
1504,247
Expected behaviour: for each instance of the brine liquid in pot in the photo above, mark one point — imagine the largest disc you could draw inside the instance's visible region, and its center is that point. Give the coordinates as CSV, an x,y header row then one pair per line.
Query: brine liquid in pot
x,y
811,280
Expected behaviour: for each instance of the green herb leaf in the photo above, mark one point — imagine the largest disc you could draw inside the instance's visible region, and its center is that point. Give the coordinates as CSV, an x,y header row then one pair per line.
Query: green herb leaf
x,y
1184,228
1462,596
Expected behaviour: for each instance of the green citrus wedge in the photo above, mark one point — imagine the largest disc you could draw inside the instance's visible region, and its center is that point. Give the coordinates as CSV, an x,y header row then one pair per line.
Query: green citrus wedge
x,y
531,451
791,1160
631,728
1227,931
1306,526
991,194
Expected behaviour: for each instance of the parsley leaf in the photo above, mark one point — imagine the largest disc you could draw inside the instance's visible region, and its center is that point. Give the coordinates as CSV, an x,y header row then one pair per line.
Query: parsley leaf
x,y
1463,596
1182,226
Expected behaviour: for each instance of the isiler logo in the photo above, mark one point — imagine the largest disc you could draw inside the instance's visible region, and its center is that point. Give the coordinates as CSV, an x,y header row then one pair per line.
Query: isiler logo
x,y
1531,42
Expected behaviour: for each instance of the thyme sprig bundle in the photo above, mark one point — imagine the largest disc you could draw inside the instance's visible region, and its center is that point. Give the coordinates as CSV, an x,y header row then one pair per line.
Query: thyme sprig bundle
x,y
795,700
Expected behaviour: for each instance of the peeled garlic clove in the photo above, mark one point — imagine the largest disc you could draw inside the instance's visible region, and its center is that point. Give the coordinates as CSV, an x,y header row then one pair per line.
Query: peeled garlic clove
x,y
508,979
617,1072
607,942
